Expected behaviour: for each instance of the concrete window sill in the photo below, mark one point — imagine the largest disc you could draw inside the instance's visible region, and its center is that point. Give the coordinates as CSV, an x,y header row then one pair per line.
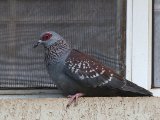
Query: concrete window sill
x,y
93,108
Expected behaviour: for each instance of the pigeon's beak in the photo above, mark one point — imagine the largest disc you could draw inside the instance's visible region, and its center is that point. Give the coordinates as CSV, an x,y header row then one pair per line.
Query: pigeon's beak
x,y
38,43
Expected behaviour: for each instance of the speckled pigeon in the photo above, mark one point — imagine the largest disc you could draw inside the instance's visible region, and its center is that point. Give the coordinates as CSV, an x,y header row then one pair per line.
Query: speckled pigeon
x,y
78,74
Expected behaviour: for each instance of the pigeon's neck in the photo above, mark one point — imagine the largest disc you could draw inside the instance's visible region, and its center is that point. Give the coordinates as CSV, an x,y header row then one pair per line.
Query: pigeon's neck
x,y
56,52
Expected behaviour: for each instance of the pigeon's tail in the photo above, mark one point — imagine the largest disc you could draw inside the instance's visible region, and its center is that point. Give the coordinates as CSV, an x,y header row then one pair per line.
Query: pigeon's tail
x,y
132,89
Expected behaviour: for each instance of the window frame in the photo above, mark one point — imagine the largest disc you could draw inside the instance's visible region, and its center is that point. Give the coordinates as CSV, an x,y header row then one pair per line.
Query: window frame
x,y
139,44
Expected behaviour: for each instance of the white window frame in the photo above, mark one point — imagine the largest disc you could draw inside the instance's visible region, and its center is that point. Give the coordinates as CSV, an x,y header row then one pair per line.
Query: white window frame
x,y
139,44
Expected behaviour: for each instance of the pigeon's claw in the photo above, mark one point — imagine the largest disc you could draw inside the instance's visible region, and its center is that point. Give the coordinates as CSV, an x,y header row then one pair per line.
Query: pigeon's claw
x,y
74,98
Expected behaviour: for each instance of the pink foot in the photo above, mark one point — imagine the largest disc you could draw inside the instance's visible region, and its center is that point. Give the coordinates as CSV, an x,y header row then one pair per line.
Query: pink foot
x,y
74,98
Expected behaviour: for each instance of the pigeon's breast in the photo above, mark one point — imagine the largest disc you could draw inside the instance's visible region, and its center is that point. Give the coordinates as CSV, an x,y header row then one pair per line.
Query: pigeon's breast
x,y
62,81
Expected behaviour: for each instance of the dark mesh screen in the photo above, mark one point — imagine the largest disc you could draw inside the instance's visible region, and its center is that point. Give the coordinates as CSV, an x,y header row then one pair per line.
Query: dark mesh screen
x,y
93,26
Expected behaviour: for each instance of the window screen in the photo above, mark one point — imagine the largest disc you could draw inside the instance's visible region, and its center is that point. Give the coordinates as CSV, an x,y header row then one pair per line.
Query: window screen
x,y
93,26
156,43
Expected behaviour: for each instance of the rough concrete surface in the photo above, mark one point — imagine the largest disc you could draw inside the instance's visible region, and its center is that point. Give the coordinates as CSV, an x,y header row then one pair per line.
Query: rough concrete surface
x,y
104,108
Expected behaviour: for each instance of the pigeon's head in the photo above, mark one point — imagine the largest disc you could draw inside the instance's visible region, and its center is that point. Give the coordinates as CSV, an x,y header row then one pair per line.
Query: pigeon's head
x,y
48,38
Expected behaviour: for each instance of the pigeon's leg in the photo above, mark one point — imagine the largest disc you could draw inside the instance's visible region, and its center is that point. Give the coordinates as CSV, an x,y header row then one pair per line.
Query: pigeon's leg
x,y
74,98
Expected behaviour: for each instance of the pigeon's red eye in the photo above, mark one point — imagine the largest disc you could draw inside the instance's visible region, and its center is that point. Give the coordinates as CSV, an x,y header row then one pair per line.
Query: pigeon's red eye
x,y
46,36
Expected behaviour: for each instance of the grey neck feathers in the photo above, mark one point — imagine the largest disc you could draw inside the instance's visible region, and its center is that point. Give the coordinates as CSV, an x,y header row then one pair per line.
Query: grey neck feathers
x,y
56,52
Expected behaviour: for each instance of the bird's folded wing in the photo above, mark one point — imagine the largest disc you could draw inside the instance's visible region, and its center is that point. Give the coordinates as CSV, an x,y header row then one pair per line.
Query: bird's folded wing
x,y
90,73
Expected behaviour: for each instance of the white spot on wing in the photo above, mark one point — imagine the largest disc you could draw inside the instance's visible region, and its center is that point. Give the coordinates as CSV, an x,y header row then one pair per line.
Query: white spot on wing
x,y
94,76
84,66
102,72
81,77
91,77
87,77
92,70
70,65
79,65
72,69
97,74
105,82
76,71
110,78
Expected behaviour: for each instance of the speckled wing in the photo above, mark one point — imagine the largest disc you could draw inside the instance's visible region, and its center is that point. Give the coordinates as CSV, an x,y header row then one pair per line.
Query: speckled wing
x,y
90,73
